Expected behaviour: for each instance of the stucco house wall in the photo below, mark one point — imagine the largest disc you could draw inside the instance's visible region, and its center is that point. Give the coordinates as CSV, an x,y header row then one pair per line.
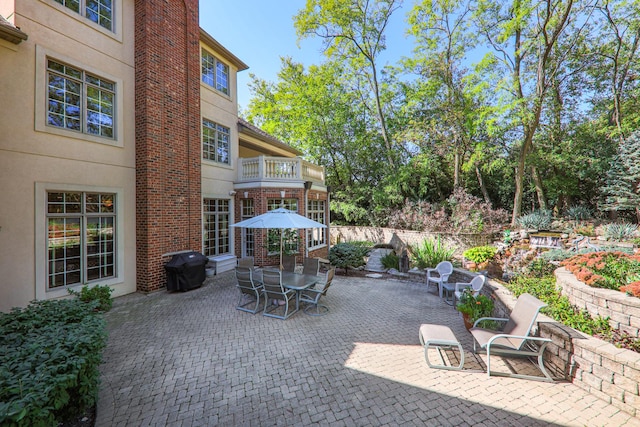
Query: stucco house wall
x,y
35,157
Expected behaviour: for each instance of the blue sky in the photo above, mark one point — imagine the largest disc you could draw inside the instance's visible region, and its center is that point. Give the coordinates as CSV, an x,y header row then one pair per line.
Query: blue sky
x,y
260,32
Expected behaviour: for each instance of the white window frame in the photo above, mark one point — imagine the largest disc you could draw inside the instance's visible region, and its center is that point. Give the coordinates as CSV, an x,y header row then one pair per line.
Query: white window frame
x,y
214,81
216,214
318,215
41,230
116,18
217,129
287,203
42,109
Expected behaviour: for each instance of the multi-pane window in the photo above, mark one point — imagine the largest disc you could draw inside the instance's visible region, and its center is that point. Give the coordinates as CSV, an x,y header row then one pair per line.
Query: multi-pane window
x,y
215,142
216,226
98,11
290,236
215,73
79,101
248,211
80,237
315,211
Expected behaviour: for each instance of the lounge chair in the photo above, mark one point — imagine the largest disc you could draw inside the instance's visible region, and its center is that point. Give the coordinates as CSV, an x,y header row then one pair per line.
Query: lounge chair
x,y
311,296
439,275
515,339
248,290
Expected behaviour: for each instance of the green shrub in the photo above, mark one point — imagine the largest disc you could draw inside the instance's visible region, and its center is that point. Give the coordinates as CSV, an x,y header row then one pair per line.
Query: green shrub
x,y
99,293
349,255
390,260
50,352
537,220
619,232
480,254
559,307
430,253
578,213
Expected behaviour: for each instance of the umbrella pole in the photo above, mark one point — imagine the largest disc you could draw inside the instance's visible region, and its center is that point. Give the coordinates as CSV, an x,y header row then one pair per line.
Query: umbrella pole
x,y
281,247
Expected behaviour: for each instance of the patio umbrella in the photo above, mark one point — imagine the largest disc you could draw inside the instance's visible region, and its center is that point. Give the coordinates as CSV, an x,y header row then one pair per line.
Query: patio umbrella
x,y
279,218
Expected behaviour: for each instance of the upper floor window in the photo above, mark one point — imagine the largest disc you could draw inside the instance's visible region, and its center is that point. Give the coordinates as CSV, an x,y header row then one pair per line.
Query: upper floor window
x,y
79,101
98,11
215,142
215,73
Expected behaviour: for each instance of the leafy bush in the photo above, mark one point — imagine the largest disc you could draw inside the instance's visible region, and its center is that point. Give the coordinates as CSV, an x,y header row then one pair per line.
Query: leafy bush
x,y
470,214
609,270
586,230
474,306
559,307
578,213
50,352
556,255
480,254
462,213
390,260
537,220
540,268
349,255
430,253
619,232
99,293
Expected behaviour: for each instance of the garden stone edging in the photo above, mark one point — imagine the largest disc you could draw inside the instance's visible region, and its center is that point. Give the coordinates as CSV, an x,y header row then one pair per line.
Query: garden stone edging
x,y
622,309
596,366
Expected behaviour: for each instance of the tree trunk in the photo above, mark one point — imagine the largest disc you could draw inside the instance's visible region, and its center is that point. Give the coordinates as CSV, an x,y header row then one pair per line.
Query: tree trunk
x,y
483,187
542,200
456,170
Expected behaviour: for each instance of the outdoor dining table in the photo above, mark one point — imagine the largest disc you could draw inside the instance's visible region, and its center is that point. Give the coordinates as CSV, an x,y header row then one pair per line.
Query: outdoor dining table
x,y
294,281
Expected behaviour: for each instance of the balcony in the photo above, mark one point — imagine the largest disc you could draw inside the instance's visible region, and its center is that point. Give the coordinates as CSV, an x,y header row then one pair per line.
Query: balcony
x,y
279,169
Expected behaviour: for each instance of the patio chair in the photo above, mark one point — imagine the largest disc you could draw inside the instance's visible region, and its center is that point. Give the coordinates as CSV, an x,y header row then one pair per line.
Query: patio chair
x,y
439,275
289,263
248,290
456,289
311,296
311,266
246,262
285,301
516,339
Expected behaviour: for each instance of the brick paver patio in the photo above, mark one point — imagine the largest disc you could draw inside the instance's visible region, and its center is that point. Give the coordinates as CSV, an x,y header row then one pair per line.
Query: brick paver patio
x,y
192,359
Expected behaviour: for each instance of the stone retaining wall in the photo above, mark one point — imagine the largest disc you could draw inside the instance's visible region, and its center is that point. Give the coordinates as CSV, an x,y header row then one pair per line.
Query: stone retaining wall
x,y
623,310
399,239
600,368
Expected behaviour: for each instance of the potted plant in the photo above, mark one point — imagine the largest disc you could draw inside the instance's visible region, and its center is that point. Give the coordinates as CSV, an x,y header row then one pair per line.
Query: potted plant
x,y
474,307
479,255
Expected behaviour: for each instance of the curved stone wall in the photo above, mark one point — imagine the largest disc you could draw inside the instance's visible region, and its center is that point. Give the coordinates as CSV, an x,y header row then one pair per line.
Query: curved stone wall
x,y
623,310
600,368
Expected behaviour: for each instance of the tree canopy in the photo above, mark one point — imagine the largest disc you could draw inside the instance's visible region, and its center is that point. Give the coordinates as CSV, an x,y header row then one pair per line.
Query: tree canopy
x,y
528,105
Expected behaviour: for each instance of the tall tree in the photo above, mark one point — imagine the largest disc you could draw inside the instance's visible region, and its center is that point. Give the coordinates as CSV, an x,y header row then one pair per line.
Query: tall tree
x,y
354,31
523,35
623,184
443,39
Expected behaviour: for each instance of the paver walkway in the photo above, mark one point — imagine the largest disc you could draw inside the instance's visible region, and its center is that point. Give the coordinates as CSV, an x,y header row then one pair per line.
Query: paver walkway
x,y
192,359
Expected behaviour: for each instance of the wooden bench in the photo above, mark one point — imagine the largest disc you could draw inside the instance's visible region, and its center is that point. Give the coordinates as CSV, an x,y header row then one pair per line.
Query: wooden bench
x,y
439,336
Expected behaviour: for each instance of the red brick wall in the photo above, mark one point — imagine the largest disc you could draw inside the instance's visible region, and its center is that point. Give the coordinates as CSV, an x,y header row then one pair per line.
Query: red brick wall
x,y
168,193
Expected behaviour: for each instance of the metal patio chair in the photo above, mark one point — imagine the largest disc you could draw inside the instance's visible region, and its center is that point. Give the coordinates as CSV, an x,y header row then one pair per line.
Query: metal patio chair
x,y
249,290
311,266
515,340
312,296
285,301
